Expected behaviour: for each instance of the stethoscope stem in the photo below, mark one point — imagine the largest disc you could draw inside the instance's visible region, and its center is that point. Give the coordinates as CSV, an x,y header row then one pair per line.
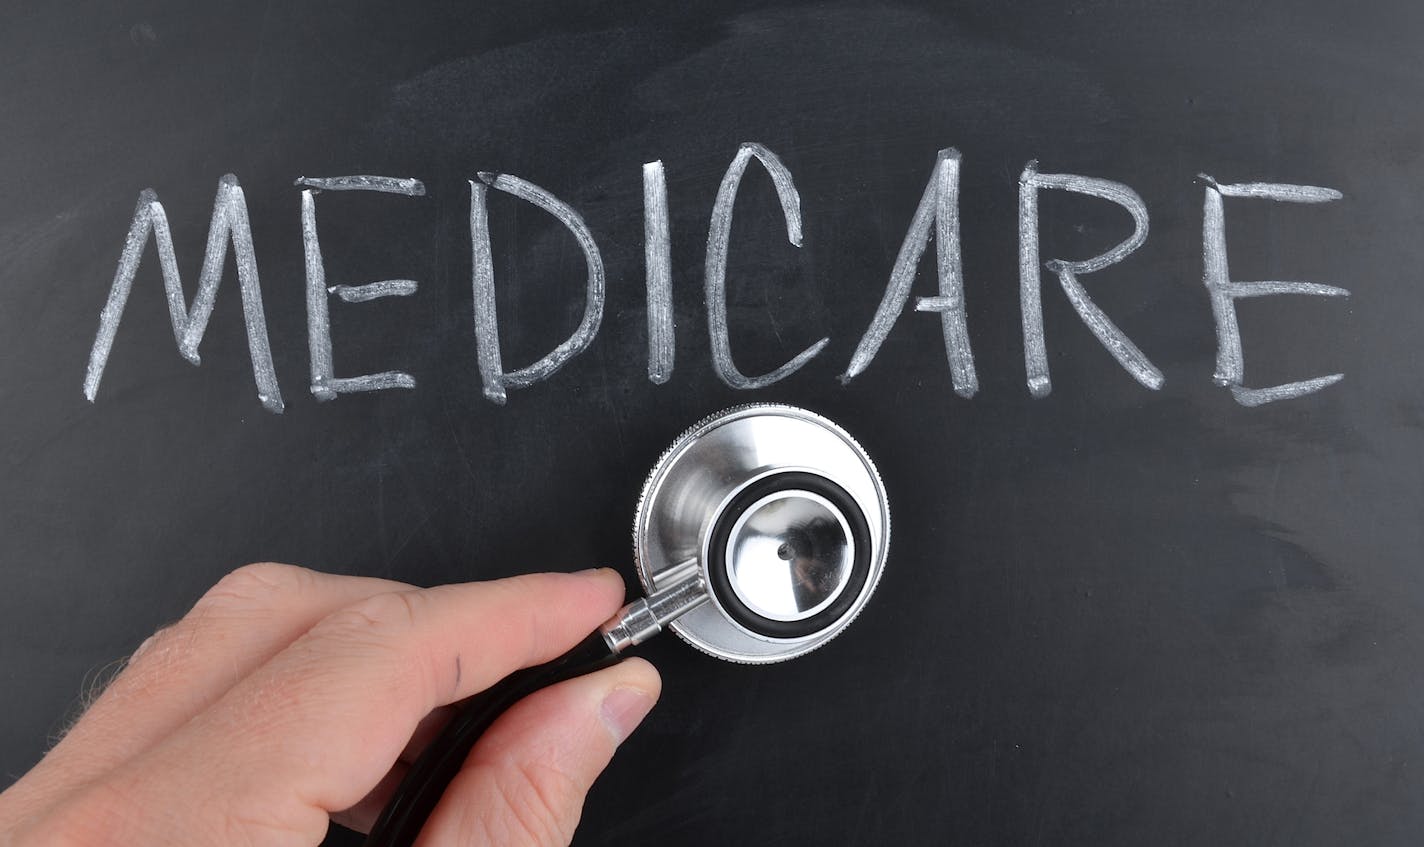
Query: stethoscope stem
x,y
683,589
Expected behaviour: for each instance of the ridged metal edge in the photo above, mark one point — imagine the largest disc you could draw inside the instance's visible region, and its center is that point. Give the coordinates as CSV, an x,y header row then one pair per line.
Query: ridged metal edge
x,y
705,424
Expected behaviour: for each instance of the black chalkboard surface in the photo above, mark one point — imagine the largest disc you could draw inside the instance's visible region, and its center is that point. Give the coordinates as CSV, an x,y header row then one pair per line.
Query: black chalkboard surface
x,y
1143,385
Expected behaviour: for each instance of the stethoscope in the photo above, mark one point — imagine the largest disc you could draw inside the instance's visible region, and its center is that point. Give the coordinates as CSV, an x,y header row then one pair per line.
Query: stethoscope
x,y
760,535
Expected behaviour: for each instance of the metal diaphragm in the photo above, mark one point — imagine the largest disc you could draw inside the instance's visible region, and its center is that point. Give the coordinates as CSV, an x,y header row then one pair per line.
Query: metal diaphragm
x,y
784,517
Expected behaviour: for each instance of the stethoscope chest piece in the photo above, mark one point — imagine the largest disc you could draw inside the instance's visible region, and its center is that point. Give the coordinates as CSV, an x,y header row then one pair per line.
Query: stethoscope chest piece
x,y
782,518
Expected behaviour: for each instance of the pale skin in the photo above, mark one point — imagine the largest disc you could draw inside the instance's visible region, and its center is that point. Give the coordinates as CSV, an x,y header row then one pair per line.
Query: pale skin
x,y
288,699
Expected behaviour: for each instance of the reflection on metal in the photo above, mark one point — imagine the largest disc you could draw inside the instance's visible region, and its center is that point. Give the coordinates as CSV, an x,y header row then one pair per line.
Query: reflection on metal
x,y
789,555
776,521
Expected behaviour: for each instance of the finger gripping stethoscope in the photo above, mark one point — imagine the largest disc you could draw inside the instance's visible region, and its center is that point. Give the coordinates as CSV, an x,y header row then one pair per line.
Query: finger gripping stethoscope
x,y
760,535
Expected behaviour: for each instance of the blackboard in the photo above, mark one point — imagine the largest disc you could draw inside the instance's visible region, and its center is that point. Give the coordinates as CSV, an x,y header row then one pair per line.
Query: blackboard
x,y
1130,594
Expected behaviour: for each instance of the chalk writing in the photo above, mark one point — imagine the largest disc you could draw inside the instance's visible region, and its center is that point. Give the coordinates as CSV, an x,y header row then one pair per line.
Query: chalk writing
x,y
229,223
374,290
939,207
1118,344
325,385
1230,363
496,379
364,182
719,233
657,249
936,216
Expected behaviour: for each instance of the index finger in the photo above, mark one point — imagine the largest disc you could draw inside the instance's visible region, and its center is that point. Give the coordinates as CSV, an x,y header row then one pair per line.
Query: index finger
x,y
318,725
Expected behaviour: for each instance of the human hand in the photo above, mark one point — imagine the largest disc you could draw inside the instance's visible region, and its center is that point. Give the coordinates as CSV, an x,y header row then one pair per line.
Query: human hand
x,y
289,698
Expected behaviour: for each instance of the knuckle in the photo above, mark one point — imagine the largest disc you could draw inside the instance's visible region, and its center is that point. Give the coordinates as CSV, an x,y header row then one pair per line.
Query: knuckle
x,y
381,629
543,802
253,585
159,647
159,657
251,591
378,619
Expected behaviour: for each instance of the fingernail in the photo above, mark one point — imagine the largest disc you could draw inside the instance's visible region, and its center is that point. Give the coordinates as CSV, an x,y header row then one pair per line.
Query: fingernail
x,y
625,708
587,571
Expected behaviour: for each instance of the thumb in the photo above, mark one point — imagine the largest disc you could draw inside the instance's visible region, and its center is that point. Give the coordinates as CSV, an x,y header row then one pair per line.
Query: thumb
x,y
525,780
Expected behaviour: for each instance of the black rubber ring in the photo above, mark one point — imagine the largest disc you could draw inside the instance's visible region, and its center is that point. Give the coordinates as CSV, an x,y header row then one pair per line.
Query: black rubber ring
x,y
722,531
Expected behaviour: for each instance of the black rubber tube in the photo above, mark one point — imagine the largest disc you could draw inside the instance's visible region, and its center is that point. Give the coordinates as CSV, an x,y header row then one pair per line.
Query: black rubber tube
x,y
413,801
719,576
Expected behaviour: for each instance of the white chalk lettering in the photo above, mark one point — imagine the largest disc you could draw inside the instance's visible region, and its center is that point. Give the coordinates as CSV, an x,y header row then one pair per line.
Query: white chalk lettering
x,y
325,385
718,235
937,217
496,379
658,252
939,207
363,182
374,290
229,223
1118,344
1230,362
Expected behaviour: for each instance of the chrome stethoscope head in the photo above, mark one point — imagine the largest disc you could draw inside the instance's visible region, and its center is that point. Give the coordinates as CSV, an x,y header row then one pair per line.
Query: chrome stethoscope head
x,y
760,535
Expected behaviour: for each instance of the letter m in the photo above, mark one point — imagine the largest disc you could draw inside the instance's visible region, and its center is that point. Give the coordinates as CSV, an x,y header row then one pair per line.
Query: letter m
x,y
229,223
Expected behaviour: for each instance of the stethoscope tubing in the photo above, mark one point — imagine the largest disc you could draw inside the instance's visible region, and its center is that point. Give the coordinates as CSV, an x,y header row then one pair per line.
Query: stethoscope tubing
x,y
415,798
420,791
